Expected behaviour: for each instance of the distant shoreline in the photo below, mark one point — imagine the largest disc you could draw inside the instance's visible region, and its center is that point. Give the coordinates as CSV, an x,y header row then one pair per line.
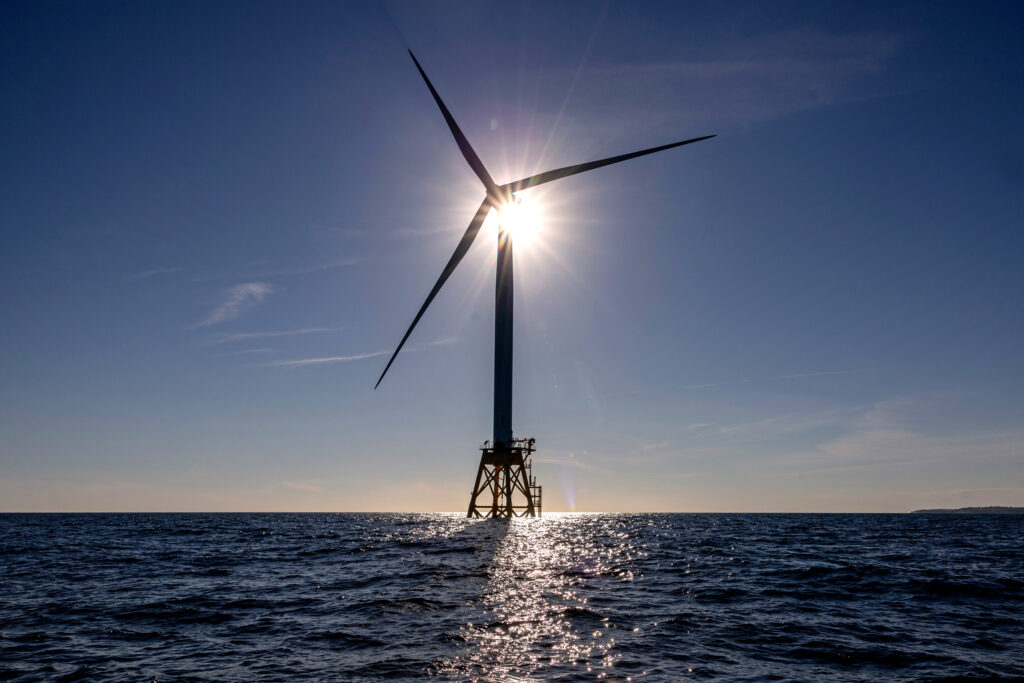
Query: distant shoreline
x,y
990,510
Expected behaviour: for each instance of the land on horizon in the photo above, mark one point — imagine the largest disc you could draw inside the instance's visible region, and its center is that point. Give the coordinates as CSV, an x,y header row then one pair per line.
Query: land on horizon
x,y
989,510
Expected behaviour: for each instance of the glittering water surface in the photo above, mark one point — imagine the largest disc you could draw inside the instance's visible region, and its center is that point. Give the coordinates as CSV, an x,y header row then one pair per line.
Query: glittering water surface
x,y
570,597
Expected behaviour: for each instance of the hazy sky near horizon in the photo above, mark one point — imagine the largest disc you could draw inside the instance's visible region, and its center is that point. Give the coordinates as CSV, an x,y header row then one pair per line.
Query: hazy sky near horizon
x,y
218,220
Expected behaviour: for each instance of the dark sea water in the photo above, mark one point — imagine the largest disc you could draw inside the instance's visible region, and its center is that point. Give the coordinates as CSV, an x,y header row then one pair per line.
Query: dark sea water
x,y
350,597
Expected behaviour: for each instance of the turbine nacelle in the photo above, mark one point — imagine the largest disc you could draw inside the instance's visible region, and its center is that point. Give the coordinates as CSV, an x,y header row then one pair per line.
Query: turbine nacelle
x,y
506,204
503,198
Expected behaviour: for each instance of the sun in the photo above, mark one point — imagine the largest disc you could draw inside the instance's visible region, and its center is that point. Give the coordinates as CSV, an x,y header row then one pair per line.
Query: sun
x,y
521,218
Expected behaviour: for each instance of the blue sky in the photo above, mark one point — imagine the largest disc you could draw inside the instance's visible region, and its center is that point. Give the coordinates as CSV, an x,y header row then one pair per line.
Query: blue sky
x,y
218,220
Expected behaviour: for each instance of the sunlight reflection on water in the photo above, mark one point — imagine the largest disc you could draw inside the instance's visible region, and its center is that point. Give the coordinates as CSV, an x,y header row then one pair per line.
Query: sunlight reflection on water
x,y
535,601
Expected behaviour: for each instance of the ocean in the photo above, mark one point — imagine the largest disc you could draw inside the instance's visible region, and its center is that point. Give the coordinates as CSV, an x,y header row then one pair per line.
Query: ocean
x,y
569,597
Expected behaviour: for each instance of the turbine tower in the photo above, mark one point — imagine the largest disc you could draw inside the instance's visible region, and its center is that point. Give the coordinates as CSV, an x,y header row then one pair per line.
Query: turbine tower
x,y
504,472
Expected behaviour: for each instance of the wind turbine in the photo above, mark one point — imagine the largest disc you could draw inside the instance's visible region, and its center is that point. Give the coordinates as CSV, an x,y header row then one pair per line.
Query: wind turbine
x,y
504,466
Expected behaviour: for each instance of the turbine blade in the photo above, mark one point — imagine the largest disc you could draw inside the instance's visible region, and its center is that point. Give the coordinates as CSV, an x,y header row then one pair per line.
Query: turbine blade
x,y
548,176
460,138
453,262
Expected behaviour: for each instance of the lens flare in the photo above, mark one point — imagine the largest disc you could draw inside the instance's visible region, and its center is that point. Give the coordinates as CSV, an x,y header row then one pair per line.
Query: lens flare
x,y
521,218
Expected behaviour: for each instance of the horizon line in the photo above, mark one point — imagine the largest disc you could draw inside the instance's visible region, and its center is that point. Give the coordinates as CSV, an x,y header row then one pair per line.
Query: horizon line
x,y
452,512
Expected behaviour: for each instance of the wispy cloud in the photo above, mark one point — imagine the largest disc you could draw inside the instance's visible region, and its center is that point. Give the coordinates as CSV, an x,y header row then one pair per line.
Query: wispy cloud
x,y
884,448
337,231
235,300
777,426
444,341
358,356
901,411
296,486
312,268
812,374
884,435
851,468
717,384
896,444
265,269
324,359
735,382
571,461
152,272
424,232
225,337
749,78
245,352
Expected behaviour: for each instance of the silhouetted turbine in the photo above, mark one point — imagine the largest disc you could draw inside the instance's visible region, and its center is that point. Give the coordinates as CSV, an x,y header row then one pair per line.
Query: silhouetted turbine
x,y
497,197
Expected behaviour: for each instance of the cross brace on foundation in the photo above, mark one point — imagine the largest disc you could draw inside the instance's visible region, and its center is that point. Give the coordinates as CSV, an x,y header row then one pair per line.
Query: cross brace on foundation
x,y
505,486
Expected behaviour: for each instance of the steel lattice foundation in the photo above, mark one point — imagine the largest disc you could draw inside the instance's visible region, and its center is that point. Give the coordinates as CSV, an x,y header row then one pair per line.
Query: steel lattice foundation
x,y
504,485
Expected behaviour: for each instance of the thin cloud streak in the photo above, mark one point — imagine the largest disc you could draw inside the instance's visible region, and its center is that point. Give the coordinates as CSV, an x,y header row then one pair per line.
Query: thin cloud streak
x,y
425,232
324,360
848,468
767,379
315,268
226,337
244,352
444,341
813,374
358,356
236,300
152,272
752,78
296,486
262,269
567,462
717,384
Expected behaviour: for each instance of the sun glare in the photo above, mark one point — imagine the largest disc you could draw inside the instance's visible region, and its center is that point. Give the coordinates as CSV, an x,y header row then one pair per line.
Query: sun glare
x,y
521,218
